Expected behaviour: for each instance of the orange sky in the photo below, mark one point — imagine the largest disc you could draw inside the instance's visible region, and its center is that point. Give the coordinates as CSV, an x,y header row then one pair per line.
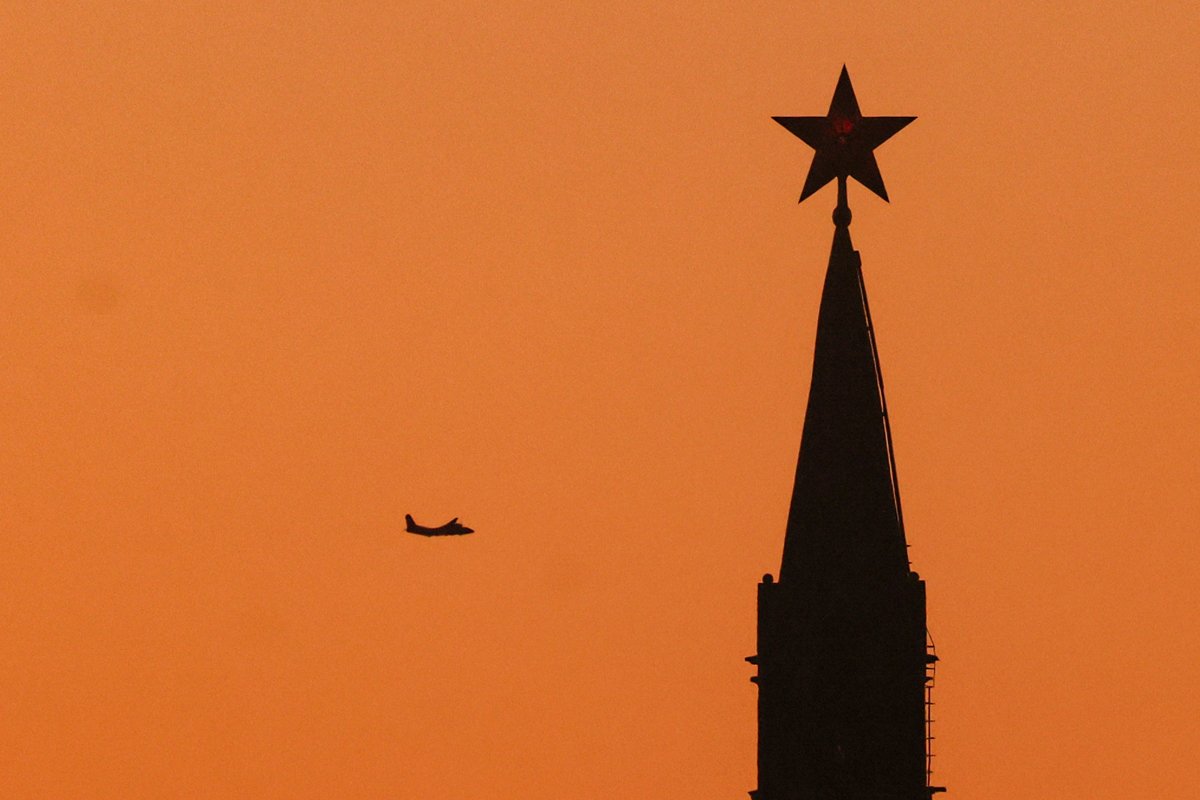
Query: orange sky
x,y
274,277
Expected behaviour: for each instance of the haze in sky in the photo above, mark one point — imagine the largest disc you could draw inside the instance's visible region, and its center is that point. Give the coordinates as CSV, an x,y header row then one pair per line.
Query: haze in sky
x,y
275,275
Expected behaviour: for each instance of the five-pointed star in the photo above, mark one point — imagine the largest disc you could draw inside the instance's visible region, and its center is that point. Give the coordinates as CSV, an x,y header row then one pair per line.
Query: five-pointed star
x,y
844,140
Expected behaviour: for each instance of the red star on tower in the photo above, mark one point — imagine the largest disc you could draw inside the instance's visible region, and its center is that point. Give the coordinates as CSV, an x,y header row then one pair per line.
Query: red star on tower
x,y
844,141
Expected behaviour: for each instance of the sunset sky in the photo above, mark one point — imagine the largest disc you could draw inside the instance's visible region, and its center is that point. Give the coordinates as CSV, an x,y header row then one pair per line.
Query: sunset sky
x,y
276,274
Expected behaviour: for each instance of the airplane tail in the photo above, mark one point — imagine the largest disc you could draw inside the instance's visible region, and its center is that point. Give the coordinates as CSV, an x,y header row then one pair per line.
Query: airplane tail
x,y
409,520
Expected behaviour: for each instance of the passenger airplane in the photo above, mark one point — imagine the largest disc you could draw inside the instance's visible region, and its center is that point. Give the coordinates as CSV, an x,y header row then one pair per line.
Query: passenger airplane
x,y
451,528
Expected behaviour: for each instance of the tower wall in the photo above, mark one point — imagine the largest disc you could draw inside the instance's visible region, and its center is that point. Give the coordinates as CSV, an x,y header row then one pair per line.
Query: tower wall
x,y
841,679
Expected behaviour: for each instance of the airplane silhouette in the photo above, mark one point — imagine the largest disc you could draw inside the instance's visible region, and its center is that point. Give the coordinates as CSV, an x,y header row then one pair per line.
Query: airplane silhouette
x,y
451,528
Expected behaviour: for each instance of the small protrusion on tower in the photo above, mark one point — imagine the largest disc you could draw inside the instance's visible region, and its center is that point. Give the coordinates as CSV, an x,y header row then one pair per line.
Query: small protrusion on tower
x,y
841,214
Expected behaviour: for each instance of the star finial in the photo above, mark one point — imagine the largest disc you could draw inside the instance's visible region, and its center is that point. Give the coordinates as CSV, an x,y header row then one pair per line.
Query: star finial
x,y
844,141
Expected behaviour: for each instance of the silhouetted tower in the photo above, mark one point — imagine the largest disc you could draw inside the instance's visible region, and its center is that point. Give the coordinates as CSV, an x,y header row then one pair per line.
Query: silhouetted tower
x,y
843,665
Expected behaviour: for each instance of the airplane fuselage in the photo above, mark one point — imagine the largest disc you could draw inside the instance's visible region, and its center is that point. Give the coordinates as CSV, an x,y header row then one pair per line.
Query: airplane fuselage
x,y
451,528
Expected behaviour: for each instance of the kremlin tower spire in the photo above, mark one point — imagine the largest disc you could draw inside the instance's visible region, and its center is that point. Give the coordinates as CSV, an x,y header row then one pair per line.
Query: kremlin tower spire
x,y
845,511
842,658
